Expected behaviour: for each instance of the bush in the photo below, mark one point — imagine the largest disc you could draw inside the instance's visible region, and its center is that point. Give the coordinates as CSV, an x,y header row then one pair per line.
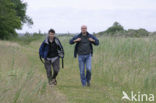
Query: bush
x,y
27,38
137,33
115,28
118,30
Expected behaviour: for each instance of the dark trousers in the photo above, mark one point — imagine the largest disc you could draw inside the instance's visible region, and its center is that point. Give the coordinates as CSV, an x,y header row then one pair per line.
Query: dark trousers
x,y
56,67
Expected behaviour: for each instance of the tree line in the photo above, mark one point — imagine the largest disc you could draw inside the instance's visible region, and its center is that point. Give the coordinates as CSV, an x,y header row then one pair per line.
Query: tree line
x,y
118,30
13,16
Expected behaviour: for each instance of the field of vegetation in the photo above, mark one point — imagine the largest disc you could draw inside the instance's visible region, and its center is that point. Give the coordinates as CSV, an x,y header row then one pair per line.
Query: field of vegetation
x,y
125,60
118,64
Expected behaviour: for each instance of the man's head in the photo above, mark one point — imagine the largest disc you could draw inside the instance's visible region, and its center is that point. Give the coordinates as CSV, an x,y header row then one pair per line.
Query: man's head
x,y
51,33
84,29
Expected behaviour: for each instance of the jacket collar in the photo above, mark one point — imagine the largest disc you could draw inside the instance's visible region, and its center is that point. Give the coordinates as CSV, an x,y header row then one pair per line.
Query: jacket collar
x,y
46,40
87,34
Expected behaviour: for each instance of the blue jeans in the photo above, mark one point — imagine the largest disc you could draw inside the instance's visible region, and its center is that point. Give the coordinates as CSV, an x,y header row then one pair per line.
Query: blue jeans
x,y
85,61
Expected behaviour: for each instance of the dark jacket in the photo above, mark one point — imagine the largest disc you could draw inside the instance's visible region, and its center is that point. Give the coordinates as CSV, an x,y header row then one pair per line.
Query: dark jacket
x,y
76,46
44,48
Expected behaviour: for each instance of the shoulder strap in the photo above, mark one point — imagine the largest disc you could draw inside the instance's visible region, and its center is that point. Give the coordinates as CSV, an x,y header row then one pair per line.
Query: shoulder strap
x,y
41,60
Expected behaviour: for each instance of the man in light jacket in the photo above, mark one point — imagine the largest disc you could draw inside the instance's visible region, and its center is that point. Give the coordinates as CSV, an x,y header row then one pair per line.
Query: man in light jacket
x,y
51,50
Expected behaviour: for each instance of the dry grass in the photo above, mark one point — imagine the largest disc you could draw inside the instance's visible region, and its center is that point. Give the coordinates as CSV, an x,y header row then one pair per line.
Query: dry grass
x,y
21,80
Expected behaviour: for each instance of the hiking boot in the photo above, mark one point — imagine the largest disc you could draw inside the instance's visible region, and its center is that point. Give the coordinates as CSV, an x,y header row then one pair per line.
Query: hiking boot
x,y
54,82
50,83
88,84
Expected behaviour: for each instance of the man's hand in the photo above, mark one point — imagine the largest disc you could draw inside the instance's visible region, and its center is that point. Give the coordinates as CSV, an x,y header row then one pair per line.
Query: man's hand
x,y
91,40
77,40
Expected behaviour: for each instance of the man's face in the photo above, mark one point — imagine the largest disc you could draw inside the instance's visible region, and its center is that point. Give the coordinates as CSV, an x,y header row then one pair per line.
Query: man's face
x,y
84,29
51,35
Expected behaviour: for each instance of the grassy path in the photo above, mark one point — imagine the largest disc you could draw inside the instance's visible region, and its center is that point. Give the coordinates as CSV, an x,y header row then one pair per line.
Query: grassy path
x,y
21,76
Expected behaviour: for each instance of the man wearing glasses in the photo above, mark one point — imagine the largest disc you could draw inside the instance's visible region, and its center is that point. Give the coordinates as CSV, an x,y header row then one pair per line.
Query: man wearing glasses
x,y
84,49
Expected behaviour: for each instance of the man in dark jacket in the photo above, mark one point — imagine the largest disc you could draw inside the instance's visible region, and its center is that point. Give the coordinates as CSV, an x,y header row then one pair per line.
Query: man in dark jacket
x,y
84,49
51,50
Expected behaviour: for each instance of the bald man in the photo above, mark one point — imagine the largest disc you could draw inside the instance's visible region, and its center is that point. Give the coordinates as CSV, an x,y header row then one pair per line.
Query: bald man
x,y
84,49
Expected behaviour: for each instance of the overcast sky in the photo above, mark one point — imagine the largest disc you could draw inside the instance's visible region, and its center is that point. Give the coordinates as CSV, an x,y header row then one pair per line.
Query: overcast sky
x,y
68,15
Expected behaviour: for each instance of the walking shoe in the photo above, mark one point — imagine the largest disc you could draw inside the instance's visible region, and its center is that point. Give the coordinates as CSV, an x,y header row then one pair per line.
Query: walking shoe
x,y
50,83
88,84
54,82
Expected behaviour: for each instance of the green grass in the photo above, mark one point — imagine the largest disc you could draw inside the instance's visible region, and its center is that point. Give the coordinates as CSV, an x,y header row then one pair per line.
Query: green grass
x,y
118,64
26,39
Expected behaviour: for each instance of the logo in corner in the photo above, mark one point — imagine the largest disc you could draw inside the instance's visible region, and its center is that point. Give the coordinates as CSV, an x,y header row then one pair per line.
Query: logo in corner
x,y
137,97
125,96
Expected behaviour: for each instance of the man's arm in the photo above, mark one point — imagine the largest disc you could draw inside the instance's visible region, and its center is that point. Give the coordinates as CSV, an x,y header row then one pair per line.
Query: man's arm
x,y
41,49
94,40
74,40
59,44
61,48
